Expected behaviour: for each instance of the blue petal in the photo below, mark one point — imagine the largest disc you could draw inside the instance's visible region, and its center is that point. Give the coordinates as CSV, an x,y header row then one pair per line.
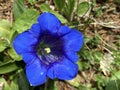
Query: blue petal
x,y
36,73
64,70
73,41
49,22
35,29
28,57
72,56
25,42
63,30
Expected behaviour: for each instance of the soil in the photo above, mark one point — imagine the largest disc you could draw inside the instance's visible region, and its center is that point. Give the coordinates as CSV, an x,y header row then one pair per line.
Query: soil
x,y
5,9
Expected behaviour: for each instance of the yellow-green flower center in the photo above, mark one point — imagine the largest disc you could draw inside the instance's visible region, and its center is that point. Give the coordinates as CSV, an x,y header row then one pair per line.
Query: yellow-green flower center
x,y
47,50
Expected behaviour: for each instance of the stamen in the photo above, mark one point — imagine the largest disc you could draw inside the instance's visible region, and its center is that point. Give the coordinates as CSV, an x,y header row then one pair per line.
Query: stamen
x,y
47,50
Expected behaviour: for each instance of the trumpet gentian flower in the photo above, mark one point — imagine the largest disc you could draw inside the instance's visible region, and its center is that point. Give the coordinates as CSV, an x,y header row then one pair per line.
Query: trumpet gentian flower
x,y
49,49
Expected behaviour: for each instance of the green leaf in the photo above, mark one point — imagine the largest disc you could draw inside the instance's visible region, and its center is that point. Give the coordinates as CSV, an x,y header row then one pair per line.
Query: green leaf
x,y
5,85
18,8
4,63
117,2
22,80
25,21
4,34
4,28
46,8
14,84
83,87
83,8
68,9
4,59
80,65
101,81
12,36
4,43
71,4
60,17
113,85
8,67
98,11
86,39
14,55
84,66
116,76
32,1
60,4
2,46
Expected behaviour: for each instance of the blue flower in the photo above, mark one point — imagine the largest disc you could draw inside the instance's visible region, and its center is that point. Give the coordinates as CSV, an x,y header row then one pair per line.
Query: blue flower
x,y
49,50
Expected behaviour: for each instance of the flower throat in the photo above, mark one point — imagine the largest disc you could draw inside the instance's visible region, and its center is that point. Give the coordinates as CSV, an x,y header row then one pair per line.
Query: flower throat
x,y
43,49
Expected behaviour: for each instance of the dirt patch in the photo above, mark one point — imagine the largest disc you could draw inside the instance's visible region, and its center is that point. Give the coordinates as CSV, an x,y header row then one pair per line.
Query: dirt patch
x,y
5,9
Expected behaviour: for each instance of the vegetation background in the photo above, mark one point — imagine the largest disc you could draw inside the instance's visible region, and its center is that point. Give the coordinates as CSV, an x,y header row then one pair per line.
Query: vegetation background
x,y
99,58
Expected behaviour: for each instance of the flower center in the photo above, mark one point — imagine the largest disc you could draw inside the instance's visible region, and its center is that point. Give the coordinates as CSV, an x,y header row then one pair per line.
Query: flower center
x,y
50,49
47,50
43,49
